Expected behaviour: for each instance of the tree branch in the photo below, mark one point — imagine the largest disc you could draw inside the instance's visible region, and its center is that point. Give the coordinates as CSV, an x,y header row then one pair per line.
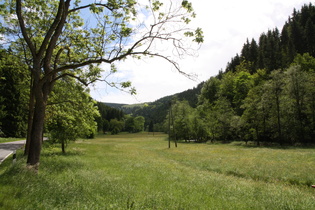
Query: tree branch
x,y
155,32
51,29
90,5
57,57
56,35
73,76
175,64
23,28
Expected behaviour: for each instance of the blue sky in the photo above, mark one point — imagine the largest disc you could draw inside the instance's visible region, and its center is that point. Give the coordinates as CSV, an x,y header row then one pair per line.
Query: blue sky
x,y
226,25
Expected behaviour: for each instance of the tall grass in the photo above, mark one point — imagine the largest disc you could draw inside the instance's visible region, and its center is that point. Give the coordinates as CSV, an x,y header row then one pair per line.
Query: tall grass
x,y
138,171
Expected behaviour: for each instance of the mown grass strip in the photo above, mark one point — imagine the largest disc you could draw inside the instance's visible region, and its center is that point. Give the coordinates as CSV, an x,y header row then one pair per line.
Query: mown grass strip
x,y
4,140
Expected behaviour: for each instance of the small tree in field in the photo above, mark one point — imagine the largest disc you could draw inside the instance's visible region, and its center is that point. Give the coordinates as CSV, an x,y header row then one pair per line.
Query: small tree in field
x,y
139,124
55,41
70,113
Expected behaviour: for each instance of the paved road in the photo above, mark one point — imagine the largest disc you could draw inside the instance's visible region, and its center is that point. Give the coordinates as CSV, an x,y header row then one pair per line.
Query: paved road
x,y
8,148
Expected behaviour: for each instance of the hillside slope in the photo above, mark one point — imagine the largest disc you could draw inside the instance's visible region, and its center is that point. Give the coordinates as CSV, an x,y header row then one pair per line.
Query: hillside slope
x,y
156,111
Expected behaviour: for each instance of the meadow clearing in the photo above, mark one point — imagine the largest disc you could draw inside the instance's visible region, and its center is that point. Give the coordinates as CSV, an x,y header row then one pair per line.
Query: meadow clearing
x,y
139,171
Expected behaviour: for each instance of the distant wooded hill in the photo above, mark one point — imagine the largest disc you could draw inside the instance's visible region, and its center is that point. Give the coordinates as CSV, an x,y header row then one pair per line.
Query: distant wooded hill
x,y
156,111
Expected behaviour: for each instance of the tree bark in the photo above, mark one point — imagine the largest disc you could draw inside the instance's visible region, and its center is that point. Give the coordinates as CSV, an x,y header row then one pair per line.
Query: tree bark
x,y
63,146
36,133
30,119
40,93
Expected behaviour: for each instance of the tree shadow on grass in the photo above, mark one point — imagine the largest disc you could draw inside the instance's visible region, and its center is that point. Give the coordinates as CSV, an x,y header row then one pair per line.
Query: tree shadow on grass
x,y
17,181
57,162
272,145
50,162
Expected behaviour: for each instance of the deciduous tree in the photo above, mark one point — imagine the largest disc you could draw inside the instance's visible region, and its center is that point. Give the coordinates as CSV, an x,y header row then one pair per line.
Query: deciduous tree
x,y
70,113
57,42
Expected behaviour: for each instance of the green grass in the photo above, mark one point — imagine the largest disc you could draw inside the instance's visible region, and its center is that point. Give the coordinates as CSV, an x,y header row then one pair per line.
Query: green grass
x,y
138,171
3,140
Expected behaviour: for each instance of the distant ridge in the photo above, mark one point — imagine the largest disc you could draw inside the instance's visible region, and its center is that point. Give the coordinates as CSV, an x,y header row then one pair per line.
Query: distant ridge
x,y
115,105
156,111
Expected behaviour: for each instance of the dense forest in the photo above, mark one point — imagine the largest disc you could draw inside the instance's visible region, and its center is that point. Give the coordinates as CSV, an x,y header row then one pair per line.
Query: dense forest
x,y
14,84
114,120
266,93
277,50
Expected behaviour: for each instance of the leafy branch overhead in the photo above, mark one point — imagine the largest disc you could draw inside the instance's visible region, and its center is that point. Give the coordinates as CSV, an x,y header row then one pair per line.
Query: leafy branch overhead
x,y
69,35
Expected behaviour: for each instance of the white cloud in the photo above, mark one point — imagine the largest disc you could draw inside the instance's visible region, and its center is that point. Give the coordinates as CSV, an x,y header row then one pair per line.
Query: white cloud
x,y
226,25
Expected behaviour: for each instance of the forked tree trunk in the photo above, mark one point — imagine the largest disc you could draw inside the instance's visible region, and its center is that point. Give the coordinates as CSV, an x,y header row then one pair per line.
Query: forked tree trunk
x,y
36,134
40,93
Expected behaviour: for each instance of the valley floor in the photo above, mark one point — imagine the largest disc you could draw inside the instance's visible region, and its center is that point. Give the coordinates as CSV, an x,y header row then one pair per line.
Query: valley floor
x,y
138,171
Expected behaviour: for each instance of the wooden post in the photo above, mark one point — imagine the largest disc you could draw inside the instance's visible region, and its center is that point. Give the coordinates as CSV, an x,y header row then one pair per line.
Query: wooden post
x,y
174,130
169,125
14,156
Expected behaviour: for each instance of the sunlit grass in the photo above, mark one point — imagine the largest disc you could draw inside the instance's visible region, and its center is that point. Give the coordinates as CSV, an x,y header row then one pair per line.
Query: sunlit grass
x,y
3,140
138,171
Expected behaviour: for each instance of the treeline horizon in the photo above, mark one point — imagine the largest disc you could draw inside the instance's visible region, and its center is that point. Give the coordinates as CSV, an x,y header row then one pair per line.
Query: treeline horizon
x,y
277,50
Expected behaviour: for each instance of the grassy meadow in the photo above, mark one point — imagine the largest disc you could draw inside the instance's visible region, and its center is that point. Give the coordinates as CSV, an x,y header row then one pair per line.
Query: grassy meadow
x,y
138,171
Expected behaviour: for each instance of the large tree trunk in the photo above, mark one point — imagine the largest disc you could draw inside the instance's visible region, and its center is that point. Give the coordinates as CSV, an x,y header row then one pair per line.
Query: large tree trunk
x,y
36,134
30,122
40,92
